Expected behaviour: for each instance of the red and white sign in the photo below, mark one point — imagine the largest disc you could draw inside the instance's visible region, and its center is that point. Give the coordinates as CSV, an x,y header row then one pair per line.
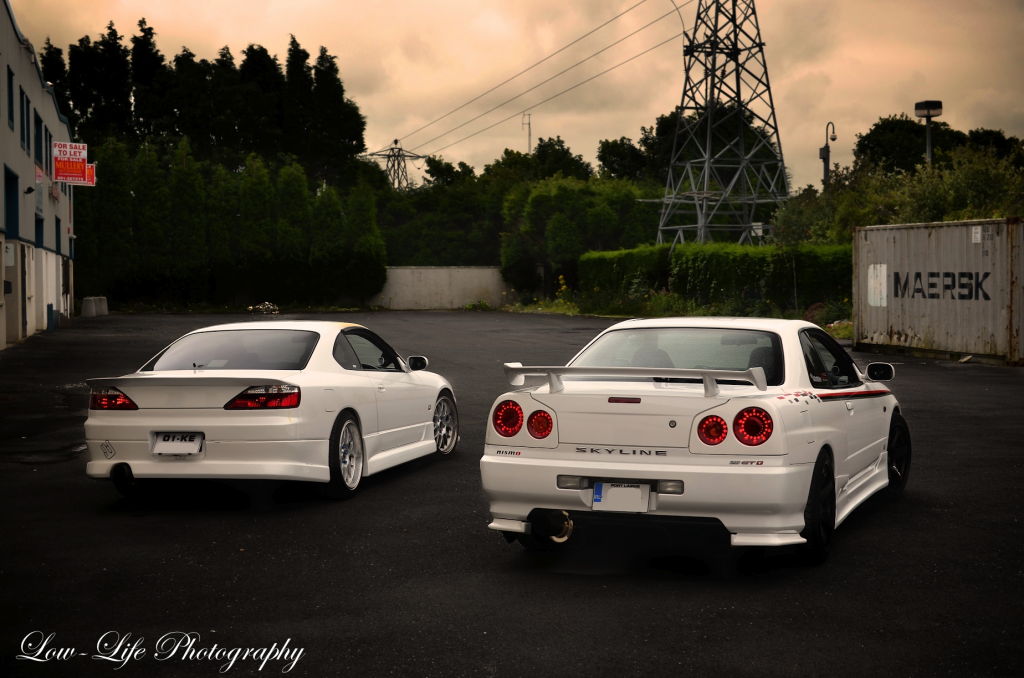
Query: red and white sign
x,y
69,162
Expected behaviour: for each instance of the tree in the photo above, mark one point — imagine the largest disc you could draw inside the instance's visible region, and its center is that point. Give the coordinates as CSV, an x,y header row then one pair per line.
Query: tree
x,y
366,258
292,234
260,106
898,143
553,156
55,71
108,260
101,85
150,224
150,81
298,101
327,247
188,224
620,159
254,231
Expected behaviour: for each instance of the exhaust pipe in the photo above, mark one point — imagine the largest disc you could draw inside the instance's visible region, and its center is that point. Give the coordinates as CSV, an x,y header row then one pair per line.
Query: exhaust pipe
x,y
552,523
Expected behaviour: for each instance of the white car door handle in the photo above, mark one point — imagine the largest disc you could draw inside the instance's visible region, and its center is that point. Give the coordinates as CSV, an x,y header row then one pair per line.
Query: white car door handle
x,y
380,388
849,405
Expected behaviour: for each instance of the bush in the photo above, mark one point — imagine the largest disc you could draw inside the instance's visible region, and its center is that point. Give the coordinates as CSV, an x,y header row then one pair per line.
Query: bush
x,y
734,278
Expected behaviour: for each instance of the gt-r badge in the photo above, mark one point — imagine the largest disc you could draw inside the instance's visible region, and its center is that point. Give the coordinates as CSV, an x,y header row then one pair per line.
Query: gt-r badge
x,y
108,449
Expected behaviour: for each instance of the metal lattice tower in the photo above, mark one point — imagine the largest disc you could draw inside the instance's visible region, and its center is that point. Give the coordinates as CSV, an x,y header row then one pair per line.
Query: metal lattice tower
x,y
394,163
726,157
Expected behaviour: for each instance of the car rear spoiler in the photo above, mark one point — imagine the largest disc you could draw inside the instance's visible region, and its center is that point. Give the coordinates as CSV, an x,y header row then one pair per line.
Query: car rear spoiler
x,y
517,374
188,379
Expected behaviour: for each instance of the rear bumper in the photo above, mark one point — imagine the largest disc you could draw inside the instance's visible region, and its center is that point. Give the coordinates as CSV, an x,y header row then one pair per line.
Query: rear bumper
x,y
759,505
267,460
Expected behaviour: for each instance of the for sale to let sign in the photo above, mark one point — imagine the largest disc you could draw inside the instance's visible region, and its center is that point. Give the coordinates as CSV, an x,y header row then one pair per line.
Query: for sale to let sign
x,y
69,162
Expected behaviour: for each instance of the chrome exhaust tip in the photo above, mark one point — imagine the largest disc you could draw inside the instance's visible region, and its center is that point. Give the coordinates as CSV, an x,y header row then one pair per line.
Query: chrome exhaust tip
x,y
553,524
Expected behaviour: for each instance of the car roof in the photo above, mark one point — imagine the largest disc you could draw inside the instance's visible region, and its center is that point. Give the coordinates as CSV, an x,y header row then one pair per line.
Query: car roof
x,y
309,325
778,325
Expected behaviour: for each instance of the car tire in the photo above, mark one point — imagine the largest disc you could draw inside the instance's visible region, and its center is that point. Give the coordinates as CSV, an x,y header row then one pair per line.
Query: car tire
x,y
124,482
346,458
899,449
446,424
820,512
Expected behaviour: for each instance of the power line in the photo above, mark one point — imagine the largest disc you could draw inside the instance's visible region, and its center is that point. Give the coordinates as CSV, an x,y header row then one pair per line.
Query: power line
x,y
623,63
544,82
617,16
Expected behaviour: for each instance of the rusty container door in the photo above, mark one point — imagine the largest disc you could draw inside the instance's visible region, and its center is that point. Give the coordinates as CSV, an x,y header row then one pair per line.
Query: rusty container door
x,y
943,287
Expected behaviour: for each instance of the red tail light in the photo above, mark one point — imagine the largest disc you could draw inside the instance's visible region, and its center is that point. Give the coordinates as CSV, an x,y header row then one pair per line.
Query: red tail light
x,y
508,418
265,397
540,424
712,430
753,426
110,399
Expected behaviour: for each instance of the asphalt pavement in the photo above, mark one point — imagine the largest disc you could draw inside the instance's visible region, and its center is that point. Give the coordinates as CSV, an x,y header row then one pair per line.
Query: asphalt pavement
x,y
405,579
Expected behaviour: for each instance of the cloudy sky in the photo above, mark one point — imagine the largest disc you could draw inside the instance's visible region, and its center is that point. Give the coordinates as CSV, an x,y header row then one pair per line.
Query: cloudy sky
x,y
405,63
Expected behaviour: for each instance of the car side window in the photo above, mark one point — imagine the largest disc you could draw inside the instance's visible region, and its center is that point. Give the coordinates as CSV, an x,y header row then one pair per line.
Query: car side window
x,y
838,365
815,368
344,355
373,353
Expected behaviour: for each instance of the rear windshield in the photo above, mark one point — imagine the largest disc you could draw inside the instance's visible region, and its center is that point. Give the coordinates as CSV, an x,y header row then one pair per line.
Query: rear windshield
x,y
688,348
238,350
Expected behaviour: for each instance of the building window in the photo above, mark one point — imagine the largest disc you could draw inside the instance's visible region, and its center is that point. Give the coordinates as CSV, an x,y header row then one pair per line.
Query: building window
x,y
10,97
28,127
21,114
57,231
40,222
39,137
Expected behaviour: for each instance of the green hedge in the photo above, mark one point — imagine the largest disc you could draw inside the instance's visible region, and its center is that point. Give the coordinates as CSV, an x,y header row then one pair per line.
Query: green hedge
x,y
718,273
614,273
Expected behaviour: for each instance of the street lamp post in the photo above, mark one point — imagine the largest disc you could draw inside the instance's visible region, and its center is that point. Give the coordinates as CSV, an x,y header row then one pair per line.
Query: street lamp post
x,y
928,110
825,153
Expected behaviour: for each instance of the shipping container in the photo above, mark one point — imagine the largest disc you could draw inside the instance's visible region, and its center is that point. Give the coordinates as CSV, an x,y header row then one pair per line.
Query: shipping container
x,y
948,289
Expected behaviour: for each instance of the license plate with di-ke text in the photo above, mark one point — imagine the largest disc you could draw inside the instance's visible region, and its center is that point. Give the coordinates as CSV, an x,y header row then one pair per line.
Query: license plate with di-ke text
x,y
177,444
626,497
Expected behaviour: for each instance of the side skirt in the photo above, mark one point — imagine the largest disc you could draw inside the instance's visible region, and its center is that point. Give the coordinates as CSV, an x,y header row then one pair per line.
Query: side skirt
x,y
872,479
399,455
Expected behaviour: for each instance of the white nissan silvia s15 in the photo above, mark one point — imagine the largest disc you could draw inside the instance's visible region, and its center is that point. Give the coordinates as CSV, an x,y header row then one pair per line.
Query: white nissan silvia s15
x,y
326,402
764,431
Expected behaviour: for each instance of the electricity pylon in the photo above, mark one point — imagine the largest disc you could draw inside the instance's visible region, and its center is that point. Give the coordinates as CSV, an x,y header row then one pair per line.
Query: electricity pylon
x,y
395,157
726,156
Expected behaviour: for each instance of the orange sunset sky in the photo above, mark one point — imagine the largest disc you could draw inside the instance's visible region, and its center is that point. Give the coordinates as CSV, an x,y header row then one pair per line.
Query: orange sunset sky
x,y
405,63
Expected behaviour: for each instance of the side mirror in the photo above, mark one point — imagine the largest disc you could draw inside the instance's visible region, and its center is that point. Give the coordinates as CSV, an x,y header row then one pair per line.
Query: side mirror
x,y
880,372
418,362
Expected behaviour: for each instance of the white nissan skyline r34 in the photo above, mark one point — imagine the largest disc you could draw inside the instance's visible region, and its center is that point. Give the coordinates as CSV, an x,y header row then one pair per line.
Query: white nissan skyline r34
x,y
763,427
325,402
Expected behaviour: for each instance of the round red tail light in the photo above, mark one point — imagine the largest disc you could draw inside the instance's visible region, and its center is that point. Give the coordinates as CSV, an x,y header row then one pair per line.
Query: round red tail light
x,y
712,430
753,426
508,418
540,424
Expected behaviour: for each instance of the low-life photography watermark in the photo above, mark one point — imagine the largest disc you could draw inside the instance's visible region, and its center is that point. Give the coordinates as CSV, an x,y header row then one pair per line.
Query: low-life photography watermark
x,y
119,650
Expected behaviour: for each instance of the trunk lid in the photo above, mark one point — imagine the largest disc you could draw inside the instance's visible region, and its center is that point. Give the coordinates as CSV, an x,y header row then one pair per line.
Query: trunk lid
x,y
586,417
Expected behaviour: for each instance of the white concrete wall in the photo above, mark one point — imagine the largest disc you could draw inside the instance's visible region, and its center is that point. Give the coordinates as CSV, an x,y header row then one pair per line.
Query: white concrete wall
x,y
442,287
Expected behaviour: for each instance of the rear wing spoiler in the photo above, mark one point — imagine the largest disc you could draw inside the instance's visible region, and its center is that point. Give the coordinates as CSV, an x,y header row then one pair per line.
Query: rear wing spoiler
x,y
187,379
517,374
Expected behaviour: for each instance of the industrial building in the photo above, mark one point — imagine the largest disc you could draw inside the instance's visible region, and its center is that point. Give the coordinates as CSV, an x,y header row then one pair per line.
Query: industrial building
x,y
37,229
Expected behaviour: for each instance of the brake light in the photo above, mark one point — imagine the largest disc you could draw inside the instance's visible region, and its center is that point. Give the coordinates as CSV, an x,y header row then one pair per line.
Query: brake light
x,y
753,426
508,418
265,397
712,430
110,399
540,424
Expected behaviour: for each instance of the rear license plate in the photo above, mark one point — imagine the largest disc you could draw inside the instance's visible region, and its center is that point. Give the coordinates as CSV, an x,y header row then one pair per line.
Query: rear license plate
x,y
177,444
625,497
